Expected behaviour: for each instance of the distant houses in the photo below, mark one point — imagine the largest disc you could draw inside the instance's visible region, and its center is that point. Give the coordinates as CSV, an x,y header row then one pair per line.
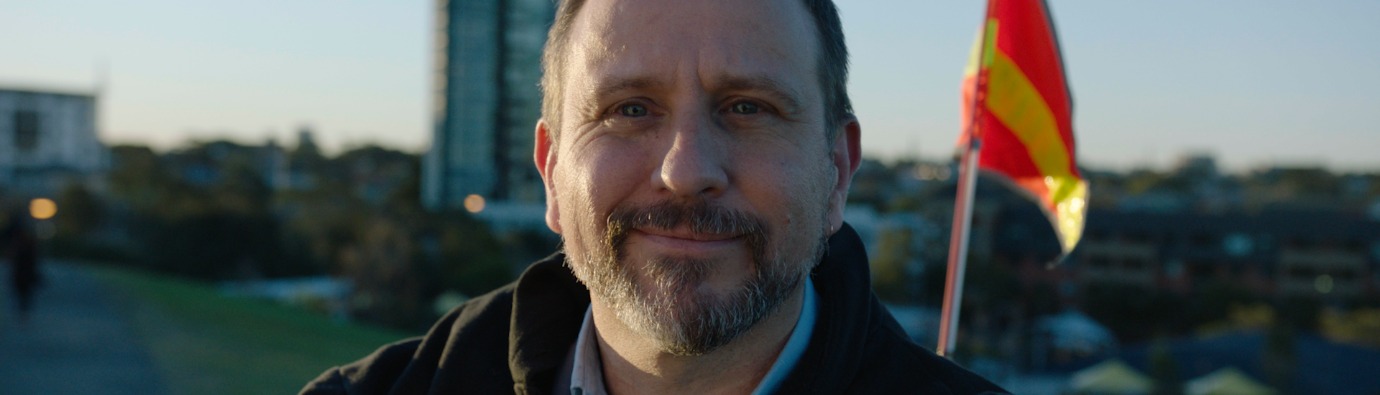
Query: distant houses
x,y
1285,253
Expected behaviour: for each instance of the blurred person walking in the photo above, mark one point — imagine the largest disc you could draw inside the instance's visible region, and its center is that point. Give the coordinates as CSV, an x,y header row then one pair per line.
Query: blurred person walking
x,y
22,244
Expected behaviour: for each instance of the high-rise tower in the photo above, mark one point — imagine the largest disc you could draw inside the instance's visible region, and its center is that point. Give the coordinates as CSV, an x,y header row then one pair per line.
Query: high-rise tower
x,y
485,102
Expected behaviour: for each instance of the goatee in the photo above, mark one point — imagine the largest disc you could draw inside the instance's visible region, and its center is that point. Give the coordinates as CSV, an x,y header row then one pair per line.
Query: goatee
x,y
671,308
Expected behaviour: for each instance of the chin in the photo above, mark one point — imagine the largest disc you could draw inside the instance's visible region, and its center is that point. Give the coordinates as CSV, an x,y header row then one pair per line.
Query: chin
x,y
691,297
675,303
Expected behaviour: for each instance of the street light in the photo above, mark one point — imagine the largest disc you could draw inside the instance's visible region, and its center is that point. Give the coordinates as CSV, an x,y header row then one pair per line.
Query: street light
x,y
42,208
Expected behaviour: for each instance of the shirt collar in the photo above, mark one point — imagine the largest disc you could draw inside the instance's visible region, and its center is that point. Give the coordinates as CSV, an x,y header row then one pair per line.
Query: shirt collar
x,y
587,373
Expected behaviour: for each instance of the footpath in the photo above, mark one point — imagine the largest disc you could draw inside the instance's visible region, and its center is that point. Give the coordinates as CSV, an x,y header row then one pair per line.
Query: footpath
x,y
75,342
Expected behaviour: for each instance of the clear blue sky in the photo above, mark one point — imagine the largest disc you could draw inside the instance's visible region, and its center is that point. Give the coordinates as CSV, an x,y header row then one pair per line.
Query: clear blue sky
x,y
1255,82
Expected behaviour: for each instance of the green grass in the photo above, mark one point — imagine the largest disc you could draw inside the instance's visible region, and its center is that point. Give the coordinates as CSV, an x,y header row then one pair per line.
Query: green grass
x,y
205,343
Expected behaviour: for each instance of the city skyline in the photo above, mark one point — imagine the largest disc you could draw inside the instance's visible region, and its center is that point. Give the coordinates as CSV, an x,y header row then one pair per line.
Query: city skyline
x,y
1255,83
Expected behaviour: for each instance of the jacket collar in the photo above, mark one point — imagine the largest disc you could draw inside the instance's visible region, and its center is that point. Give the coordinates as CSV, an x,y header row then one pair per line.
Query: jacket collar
x,y
845,313
548,307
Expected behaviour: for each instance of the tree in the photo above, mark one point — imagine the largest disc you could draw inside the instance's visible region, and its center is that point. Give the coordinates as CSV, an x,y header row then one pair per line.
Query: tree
x,y
79,211
889,275
471,259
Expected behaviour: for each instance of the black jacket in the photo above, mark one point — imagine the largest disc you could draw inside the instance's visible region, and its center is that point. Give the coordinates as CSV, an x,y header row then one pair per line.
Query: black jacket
x,y
514,339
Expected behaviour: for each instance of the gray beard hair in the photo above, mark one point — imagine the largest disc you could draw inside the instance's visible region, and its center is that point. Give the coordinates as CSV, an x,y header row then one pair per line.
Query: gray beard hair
x,y
672,311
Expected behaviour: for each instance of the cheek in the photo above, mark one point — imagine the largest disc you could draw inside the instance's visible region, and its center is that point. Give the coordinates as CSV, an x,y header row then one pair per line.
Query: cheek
x,y
595,179
792,188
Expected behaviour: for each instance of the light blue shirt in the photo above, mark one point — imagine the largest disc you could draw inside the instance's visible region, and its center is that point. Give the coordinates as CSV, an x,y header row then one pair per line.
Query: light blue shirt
x,y
587,373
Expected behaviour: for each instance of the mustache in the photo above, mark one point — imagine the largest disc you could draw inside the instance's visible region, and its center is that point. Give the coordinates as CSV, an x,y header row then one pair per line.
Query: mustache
x,y
698,215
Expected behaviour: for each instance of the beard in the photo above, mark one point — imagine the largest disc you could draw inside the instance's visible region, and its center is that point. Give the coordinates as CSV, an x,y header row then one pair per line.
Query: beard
x,y
669,306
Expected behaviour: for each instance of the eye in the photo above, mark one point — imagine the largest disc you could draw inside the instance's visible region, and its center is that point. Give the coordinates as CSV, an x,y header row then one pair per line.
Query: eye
x,y
744,108
633,110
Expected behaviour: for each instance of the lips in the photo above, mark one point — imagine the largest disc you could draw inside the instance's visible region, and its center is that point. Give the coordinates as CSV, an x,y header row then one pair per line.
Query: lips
x,y
681,239
682,233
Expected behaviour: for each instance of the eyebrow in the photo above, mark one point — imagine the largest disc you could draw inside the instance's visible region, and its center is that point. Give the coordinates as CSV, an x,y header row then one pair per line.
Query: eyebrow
x,y
623,84
760,83
605,89
755,83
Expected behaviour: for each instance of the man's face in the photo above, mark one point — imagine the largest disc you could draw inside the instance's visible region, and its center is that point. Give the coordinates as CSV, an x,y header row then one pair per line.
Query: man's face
x,y
691,179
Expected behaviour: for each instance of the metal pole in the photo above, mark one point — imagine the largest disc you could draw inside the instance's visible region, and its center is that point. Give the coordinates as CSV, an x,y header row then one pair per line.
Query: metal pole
x,y
963,204
958,248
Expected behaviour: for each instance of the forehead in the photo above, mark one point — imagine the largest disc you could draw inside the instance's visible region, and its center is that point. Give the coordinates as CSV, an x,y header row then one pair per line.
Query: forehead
x,y
703,39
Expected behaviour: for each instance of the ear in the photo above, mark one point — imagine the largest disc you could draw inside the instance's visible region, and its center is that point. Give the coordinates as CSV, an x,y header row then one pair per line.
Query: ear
x,y
846,155
545,158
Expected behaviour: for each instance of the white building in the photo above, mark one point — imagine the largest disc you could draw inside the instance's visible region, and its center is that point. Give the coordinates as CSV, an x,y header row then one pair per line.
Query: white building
x,y
48,139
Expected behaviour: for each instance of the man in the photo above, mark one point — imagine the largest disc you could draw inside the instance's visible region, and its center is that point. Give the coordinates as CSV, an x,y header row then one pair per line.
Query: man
x,y
697,157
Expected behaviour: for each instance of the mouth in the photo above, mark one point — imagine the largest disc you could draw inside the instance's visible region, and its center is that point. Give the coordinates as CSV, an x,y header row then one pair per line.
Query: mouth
x,y
681,239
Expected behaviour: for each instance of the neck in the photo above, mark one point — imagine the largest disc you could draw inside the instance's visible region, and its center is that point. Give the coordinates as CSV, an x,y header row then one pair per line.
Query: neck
x,y
635,365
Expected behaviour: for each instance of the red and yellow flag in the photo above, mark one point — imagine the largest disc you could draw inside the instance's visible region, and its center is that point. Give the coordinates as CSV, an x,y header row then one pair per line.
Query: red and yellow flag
x,y
1015,79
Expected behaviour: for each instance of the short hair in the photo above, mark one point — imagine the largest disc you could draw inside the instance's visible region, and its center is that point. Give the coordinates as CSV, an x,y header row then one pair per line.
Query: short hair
x,y
832,66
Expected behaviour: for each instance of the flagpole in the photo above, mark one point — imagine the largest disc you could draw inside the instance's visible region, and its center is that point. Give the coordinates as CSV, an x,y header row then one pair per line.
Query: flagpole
x,y
963,207
958,247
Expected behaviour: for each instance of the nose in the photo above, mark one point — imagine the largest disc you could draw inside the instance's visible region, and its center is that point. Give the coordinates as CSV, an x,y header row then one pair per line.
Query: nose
x,y
694,166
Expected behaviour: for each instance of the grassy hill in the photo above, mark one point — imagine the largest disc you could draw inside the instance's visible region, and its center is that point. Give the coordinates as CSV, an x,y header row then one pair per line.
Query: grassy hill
x,y
206,343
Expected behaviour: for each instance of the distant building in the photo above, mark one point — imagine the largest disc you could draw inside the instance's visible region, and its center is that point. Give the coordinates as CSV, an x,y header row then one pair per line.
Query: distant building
x,y
1286,249
1067,336
486,103
374,174
1274,252
207,164
48,139
1318,365
304,164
